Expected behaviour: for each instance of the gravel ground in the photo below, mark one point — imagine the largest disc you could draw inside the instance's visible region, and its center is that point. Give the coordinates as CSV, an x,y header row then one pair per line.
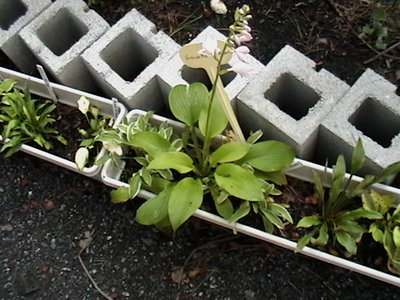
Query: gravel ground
x,y
49,215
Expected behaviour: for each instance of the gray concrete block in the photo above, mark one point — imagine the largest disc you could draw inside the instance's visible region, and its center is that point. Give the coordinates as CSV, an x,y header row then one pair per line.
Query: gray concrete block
x,y
58,37
288,99
125,62
14,15
175,72
370,110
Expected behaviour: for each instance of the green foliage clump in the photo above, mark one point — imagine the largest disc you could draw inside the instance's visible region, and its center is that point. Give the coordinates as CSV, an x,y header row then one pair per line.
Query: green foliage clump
x,y
25,119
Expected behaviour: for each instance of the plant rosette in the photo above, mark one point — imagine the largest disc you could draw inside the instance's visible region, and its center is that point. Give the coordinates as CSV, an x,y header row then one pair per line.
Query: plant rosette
x,y
69,97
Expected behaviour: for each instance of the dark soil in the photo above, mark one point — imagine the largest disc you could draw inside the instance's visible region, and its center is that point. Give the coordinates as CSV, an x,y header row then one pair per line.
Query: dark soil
x,y
49,214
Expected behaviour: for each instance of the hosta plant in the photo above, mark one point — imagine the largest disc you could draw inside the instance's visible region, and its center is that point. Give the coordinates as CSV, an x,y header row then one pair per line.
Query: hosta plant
x,y
96,124
184,168
386,230
340,210
25,119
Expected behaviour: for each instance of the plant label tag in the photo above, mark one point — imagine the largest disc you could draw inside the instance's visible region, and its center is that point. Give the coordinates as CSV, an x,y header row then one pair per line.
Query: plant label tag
x,y
47,83
115,108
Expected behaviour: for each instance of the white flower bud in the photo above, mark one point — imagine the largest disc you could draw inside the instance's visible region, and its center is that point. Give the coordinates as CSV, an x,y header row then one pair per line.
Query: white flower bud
x,y
83,104
218,7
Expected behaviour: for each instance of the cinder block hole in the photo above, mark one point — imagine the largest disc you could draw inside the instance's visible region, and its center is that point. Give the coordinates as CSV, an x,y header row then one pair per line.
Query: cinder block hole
x,y
292,96
376,121
191,75
61,32
129,54
11,11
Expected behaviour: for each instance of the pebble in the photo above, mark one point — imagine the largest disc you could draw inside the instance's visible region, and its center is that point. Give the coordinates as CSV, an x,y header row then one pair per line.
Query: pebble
x,y
6,227
53,244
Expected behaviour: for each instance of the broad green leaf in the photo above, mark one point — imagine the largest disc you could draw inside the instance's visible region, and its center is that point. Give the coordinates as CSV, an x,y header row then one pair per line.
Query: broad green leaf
x,y
186,197
377,202
155,209
229,152
309,221
186,101
120,194
172,160
239,182
360,213
358,157
7,84
225,209
151,142
269,156
323,235
302,242
396,236
268,226
212,120
281,211
277,177
346,241
241,212
377,233
350,226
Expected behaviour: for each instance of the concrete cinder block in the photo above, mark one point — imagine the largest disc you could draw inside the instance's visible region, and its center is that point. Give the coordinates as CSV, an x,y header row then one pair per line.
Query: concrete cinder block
x,y
59,35
370,110
125,62
14,15
175,72
288,99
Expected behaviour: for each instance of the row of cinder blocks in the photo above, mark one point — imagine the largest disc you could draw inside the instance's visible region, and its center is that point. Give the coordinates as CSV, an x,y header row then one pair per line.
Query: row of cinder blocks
x,y
315,112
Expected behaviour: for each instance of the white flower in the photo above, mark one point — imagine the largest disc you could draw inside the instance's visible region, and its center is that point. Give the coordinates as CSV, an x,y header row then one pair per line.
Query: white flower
x,y
243,37
210,47
83,104
218,7
81,158
240,68
113,148
242,52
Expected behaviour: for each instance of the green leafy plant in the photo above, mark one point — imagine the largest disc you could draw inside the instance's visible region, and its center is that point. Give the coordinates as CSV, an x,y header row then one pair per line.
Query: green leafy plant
x,y
97,125
185,168
384,24
340,208
386,230
25,119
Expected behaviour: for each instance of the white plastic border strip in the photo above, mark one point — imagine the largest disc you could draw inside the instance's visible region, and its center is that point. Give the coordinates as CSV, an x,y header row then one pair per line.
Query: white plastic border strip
x,y
68,96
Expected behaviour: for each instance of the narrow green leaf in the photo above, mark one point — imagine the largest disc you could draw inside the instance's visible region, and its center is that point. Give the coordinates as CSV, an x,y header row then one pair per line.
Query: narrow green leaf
x,y
309,221
241,212
155,209
239,182
377,233
172,160
360,213
229,152
186,197
281,211
346,241
302,242
350,227
389,171
186,101
272,218
269,156
396,236
358,157
323,235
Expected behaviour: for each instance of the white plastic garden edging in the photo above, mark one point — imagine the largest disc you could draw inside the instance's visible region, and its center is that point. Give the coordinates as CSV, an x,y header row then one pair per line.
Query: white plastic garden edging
x,y
301,170
67,96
